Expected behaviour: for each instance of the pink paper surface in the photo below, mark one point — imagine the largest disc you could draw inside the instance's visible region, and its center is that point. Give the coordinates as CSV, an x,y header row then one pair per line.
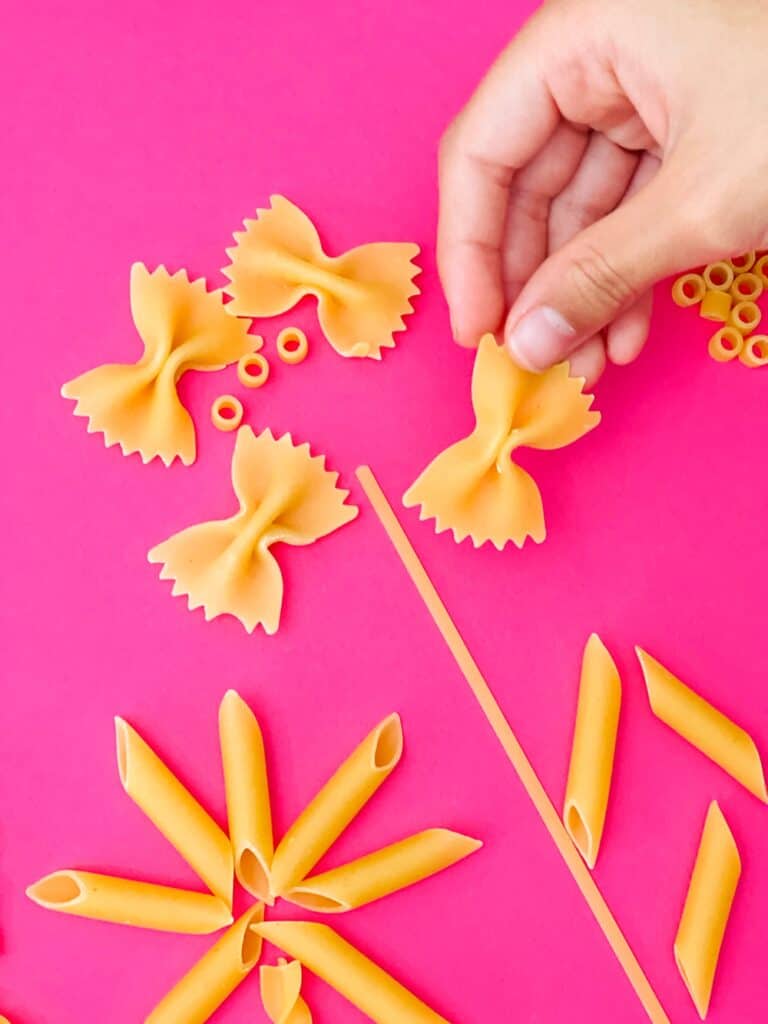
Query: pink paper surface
x,y
148,131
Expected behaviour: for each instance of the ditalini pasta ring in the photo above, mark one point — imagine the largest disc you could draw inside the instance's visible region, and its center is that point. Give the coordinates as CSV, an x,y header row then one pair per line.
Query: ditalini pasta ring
x,y
755,351
292,345
253,370
726,344
747,287
227,412
688,290
743,262
719,276
746,316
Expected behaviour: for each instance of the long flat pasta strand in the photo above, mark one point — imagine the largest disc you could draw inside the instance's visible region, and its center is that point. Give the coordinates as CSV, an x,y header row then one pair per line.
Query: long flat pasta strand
x,y
506,737
366,985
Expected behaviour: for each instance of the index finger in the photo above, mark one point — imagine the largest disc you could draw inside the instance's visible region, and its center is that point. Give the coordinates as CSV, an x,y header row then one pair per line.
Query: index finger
x,y
507,121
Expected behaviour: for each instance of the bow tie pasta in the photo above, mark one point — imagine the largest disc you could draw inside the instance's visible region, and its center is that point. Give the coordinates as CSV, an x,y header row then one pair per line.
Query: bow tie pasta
x,y
362,295
226,566
474,488
183,327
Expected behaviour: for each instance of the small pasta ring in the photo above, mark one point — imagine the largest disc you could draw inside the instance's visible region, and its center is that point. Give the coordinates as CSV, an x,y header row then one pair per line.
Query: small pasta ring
x,y
743,262
761,269
746,316
227,412
755,351
726,344
747,288
292,345
719,276
253,370
688,289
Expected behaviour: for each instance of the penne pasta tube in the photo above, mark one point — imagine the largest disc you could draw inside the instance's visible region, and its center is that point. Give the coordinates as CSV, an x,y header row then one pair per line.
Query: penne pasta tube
x,y
121,901
339,801
707,907
374,992
215,976
247,788
383,872
706,728
594,745
281,993
174,811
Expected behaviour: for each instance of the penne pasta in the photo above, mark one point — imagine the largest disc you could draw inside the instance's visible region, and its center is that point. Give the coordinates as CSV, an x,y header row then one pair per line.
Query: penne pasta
x,y
706,728
174,811
594,745
326,816
247,788
707,907
215,976
141,904
281,993
374,992
383,872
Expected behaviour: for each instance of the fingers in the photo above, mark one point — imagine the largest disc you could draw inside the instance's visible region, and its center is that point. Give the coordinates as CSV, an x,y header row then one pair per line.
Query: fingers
x,y
505,124
531,194
588,361
598,275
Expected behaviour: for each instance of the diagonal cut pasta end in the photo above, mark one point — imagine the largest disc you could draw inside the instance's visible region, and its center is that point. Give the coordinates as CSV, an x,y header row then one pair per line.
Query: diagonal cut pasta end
x,y
387,747
57,891
253,874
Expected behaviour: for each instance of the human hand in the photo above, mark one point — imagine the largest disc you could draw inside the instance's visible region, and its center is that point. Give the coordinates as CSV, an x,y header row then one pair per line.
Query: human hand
x,y
612,143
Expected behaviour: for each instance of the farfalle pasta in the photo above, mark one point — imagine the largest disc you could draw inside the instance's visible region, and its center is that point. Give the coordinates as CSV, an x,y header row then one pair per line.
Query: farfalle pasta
x,y
183,327
362,295
474,488
226,566
281,993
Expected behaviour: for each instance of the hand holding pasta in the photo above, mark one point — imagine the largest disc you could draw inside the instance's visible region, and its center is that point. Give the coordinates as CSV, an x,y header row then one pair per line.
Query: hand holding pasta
x,y
362,295
183,327
474,488
595,158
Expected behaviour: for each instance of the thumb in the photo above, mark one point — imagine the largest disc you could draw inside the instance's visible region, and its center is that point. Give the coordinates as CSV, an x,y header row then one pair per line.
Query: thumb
x,y
604,270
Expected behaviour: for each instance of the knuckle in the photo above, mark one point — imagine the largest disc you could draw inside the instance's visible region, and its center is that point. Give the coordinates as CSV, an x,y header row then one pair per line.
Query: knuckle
x,y
598,283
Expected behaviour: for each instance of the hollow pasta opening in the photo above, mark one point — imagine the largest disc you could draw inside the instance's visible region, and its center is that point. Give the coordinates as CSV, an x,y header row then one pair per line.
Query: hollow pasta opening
x,y
253,874
579,833
316,901
389,743
57,889
250,951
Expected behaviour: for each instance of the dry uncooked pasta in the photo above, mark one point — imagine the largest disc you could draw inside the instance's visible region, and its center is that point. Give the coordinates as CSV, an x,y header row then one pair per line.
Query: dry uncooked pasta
x,y
475,488
362,295
183,327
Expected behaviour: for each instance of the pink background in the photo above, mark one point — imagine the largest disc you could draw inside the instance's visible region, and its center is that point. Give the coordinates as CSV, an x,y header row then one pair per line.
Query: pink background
x,y
149,133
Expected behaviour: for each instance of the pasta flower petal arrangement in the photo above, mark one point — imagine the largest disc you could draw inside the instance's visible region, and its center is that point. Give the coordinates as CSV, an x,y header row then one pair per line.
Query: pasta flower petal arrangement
x,y
474,488
362,295
248,853
183,327
226,566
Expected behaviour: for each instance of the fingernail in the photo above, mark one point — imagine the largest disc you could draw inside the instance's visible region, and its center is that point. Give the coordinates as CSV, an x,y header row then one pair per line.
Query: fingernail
x,y
540,339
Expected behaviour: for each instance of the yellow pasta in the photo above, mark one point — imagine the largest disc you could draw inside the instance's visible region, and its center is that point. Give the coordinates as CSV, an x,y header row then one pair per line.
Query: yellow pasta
x,y
248,804
594,744
339,801
381,873
215,976
755,351
227,412
183,327
726,344
121,901
362,295
253,370
745,316
226,566
292,345
474,487
706,728
744,262
716,305
707,908
363,983
281,993
688,289
746,288
174,811
761,269
718,276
